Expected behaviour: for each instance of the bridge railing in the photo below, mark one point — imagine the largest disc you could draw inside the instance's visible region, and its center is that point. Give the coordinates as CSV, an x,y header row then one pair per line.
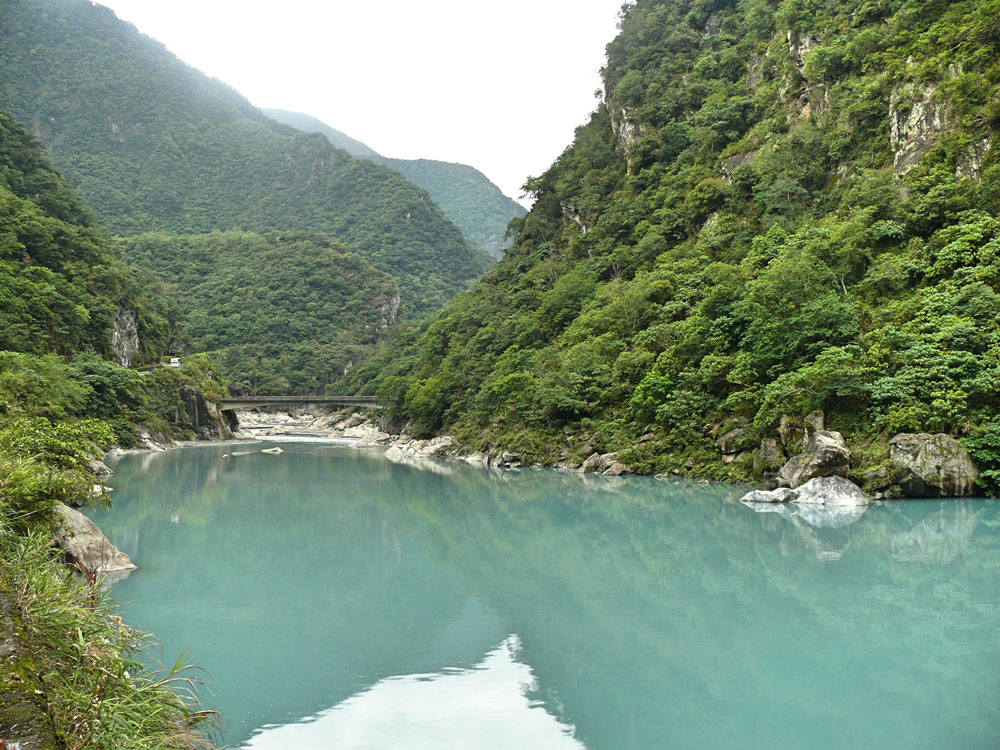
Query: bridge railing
x,y
234,402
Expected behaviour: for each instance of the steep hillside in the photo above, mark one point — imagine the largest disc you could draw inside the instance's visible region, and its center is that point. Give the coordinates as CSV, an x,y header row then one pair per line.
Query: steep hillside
x,y
281,312
155,145
62,289
309,124
777,208
465,195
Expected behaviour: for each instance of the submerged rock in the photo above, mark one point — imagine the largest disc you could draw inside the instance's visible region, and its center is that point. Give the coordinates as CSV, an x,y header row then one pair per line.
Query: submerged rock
x,y
86,545
932,466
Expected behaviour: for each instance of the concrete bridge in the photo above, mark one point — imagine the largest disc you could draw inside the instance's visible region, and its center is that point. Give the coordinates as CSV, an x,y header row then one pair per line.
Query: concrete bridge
x,y
252,402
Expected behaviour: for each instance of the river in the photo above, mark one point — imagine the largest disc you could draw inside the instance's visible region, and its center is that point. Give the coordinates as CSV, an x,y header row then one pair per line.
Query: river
x,y
335,599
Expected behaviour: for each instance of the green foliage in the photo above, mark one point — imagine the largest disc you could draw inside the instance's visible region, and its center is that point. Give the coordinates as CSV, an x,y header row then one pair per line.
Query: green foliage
x,y
281,312
153,145
728,237
984,448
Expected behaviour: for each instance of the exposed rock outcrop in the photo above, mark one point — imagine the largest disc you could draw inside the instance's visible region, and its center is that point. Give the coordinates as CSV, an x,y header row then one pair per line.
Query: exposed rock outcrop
x,y
125,336
970,162
205,418
85,544
388,310
918,115
826,454
932,466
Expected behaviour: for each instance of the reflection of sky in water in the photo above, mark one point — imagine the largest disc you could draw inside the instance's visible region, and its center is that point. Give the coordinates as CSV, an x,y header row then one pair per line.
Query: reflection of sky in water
x,y
487,707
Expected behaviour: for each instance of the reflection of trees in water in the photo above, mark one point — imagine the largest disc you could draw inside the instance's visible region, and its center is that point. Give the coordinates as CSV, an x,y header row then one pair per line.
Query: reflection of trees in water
x,y
647,610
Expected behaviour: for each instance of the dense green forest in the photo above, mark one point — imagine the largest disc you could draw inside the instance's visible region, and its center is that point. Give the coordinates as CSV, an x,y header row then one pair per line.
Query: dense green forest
x,y
777,207
465,195
154,145
281,312
63,400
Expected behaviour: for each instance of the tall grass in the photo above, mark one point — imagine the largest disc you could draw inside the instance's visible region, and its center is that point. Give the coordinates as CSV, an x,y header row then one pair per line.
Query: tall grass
x,y
86,660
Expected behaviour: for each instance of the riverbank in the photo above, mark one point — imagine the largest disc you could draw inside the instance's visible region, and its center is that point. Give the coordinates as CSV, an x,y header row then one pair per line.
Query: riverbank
x,y
71,677
907,465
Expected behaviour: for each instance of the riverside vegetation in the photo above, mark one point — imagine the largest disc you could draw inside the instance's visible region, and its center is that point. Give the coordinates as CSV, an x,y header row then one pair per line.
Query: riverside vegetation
x,y
71,673
776,208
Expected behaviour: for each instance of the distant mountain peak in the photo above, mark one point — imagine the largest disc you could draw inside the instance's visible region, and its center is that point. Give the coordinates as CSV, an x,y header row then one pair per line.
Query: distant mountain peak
x,y
464,194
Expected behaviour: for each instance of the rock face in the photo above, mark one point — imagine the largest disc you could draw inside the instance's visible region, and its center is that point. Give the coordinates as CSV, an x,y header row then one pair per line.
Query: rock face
x,y
932,466
826,454
205,418
831,491
917,117
86,545
125,336
388,310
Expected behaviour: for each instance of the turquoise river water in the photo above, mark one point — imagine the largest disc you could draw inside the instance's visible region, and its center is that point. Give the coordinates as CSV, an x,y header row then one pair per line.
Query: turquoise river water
x,y
338,600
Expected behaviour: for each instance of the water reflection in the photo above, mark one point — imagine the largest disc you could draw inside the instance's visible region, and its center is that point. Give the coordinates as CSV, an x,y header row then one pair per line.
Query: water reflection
x,y
486,707
651,614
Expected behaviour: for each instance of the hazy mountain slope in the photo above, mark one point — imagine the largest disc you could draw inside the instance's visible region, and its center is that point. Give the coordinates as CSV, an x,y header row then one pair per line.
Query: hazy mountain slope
x,y
777,209
154,144
309,124
281,312
465,195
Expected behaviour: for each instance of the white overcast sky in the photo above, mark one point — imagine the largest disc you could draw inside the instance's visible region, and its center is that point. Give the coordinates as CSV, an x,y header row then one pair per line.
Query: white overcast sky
x,y
499,85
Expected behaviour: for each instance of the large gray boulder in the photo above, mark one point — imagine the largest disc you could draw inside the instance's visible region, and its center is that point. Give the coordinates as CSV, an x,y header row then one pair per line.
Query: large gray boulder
x,y
86,545
826,454
831,491
932,466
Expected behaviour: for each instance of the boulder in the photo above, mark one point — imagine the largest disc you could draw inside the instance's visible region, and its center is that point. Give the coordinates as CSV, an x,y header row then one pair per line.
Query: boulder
x,y
616,470
731,441
592,464
834,491
599,463
98,468
826,454
85,544
780,495
932,466
354,420
830,491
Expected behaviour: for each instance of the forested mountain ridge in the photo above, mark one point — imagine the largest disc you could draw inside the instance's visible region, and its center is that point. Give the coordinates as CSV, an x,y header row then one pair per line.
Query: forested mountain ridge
x,y
777,208
465,195
282,312
153,144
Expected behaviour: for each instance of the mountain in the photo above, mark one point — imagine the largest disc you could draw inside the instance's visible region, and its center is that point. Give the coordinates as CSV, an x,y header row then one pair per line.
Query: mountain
x,y
282,312
63,289
309,124
464,194
154,145
776,209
